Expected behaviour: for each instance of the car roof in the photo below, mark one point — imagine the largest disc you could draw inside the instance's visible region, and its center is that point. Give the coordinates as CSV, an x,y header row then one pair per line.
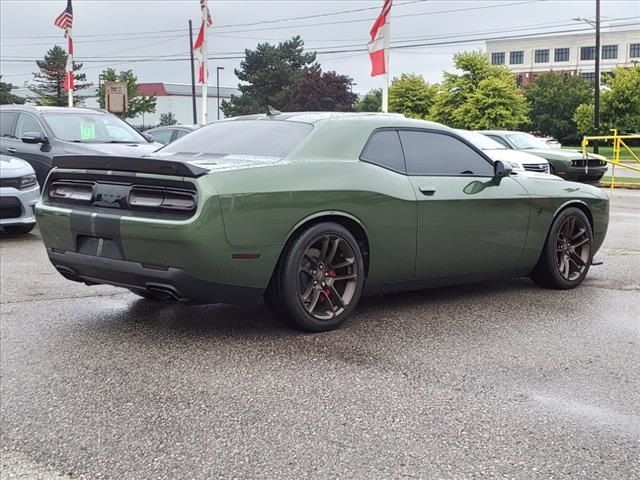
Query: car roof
x,y
373,118
499,132
42,109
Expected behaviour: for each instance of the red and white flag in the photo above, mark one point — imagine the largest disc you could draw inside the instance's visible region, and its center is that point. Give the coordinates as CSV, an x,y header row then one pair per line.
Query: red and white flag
x,y
65,22
379,32
197,47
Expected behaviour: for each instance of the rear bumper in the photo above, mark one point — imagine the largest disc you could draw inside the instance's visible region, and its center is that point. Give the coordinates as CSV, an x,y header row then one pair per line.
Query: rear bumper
x,y
174,282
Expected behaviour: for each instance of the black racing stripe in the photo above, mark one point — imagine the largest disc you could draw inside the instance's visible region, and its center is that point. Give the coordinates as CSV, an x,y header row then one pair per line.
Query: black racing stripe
x,y
80,222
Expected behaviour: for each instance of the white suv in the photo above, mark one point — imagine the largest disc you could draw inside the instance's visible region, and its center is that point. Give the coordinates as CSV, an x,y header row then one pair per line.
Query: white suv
x,y
19,193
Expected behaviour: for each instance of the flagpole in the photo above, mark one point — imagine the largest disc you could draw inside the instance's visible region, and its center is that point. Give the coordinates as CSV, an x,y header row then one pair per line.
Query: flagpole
x,y
385,77
205,73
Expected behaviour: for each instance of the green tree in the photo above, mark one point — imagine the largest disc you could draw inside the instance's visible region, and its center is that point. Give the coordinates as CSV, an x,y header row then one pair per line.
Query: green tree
x,y
458,89
136,104
583,118
49,81
553,99
268,74
621,99
497,102
6,97
619,104
317,91
167,119
371,102
412,96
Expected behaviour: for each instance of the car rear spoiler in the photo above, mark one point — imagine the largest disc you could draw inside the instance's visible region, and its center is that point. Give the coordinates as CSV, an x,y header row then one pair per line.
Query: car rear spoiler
x,y
129,164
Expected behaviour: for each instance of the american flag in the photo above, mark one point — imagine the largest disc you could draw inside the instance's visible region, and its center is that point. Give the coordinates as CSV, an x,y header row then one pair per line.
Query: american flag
x,y
65,21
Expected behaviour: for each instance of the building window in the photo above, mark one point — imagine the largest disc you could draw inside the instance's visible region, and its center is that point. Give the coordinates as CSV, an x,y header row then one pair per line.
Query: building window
x,y
516,58
520,80
591,76
541,56
634,50
497,58
587,53
609,51
561,55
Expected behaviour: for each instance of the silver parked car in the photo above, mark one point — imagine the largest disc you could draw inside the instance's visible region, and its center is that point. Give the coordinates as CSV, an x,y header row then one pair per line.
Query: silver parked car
x,y
19,193
520,161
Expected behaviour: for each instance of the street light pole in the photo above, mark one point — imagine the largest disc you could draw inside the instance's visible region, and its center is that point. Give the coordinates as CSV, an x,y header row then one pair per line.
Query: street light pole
x,y
193,76
218,88
596,98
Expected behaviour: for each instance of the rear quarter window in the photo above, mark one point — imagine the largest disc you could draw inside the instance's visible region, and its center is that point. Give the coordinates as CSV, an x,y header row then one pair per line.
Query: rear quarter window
x,y
384,149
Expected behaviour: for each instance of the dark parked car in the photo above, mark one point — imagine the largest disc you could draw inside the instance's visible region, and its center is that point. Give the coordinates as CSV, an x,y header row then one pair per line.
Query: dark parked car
x,y
37,134
568,164
165,135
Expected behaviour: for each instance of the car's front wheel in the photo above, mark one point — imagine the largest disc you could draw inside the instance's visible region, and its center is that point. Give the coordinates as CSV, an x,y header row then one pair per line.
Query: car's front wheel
x,y
319,279
567,254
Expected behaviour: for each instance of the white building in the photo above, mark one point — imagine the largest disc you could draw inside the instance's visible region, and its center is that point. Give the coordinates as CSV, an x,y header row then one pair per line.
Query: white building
x,y
528,57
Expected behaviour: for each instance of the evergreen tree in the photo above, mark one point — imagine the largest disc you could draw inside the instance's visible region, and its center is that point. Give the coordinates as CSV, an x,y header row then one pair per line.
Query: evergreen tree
x,y
6,97
49,81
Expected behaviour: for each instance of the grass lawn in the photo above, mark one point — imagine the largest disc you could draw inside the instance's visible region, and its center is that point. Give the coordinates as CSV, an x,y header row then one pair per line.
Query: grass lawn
x,y
606,180
607,151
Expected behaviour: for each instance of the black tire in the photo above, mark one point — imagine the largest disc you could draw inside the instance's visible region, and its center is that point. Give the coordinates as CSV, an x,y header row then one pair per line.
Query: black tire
x,y
153,296
325,305
564,263
19,229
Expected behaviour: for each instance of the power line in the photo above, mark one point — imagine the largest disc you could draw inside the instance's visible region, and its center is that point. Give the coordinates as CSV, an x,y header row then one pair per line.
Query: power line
x,y
337,49
127,36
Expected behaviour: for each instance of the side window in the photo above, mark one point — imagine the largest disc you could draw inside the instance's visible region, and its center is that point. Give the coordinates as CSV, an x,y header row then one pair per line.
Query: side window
x,y
180,133
384,149
27,124
162,136
429,153
7,124
500,140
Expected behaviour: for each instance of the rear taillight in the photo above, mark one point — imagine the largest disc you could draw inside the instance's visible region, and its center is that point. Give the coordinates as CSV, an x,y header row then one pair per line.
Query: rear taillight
x,y
71,191
160,199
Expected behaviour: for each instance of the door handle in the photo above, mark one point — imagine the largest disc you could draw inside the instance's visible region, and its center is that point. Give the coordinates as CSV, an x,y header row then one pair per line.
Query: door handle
x,y
11,150
428,191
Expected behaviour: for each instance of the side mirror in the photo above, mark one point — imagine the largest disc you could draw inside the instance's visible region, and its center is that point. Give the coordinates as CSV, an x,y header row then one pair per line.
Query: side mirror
x,y
34,137
147,137
501,169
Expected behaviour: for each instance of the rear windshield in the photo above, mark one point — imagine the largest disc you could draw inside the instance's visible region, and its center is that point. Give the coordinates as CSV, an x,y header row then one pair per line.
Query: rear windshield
x,y
91,127
261,138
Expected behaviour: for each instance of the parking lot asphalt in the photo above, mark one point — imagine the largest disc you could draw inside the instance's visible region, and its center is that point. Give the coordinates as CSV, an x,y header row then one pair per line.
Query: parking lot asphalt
x,y
500,380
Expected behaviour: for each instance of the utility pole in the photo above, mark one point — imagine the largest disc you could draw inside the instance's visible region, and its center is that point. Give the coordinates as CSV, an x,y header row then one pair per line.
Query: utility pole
x,y
193,75
596,98
218,88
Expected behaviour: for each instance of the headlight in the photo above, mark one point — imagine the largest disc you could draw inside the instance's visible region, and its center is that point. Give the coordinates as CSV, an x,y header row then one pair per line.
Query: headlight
x,y
516,167
27,181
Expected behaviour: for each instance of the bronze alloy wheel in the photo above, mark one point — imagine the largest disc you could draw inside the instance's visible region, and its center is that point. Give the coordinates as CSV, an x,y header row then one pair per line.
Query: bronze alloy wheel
x,y
573,248
328,277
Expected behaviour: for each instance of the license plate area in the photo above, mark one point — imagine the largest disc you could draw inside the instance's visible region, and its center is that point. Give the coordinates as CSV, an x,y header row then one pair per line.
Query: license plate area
x,y
98,247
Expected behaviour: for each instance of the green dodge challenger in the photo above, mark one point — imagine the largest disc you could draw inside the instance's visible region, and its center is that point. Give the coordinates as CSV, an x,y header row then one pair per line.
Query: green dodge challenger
x,y
311,211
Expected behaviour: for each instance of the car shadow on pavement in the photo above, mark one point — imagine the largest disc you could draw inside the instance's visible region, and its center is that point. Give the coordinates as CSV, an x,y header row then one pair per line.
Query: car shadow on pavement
x,y
394,311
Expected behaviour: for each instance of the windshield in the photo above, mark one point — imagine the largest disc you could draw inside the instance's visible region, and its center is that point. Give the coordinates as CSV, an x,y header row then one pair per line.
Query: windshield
x,y
91,127
480,141
524,141
261,138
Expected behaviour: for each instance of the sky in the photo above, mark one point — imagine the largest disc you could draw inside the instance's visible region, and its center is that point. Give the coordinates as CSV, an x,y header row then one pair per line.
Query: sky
x,y
128,34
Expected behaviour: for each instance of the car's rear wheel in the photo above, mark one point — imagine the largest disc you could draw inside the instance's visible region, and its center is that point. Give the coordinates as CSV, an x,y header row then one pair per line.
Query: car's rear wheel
x,y
567,254
19,229
319,279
